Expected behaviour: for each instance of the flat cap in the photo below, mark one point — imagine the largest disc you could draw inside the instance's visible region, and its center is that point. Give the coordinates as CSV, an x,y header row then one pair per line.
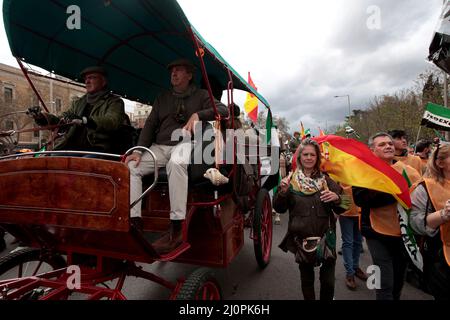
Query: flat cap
x,y
93,69
182,62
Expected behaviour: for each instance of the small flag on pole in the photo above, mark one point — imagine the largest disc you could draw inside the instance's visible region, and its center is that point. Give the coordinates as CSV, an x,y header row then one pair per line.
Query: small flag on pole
x,y
302,131
251,103
321,133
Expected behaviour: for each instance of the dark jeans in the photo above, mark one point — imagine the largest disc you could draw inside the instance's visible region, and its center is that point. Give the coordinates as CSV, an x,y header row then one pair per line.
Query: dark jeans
x,y
390,256
326,280
437,278
351,243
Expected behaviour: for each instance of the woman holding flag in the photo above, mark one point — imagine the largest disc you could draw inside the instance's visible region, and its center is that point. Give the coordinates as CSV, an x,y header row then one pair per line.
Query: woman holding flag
x,y
312,198
430,217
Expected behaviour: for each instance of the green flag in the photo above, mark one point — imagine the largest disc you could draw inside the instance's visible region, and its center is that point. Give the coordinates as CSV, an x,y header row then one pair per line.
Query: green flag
x,y
436,117
439,135
407,232
405,175
269,126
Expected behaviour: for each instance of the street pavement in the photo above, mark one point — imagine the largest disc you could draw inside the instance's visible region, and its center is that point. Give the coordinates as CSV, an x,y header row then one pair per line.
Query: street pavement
x,y
243,280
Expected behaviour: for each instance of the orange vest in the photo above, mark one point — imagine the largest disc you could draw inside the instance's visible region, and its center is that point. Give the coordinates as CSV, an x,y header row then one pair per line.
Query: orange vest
x,y
384,220
413,175
413,161
354,210
424,165
439,194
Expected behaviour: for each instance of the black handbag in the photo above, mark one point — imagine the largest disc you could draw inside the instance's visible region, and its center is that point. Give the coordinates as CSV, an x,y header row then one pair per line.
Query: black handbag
x,y
316,250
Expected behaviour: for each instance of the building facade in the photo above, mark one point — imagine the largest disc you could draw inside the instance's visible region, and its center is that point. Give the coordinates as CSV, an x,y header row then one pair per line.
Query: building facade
x,y
140,114
16,96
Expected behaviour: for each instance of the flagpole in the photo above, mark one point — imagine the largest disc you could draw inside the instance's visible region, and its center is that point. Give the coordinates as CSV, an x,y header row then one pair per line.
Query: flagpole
x,y
447,134
417,139
445,90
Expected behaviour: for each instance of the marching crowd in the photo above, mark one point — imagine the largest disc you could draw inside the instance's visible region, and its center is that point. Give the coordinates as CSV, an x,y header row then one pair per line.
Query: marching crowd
x,y
315,203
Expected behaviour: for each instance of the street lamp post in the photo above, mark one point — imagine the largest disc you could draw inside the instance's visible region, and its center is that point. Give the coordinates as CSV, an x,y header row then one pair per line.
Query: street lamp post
x,y
348,100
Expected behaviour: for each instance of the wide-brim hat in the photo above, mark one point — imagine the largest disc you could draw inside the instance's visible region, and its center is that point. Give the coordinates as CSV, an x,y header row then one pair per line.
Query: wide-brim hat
x,y
93,69
182,62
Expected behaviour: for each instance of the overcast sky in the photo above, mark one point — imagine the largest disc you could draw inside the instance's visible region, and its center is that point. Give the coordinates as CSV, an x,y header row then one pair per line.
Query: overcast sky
x,y
303,53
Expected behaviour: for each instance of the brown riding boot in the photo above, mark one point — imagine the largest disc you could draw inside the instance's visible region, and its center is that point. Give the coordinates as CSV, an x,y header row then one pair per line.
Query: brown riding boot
x,y
361,274
171,239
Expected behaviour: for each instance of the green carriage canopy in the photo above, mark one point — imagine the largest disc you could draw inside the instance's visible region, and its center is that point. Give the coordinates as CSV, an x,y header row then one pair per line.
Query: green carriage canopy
x,y
133,39
436,117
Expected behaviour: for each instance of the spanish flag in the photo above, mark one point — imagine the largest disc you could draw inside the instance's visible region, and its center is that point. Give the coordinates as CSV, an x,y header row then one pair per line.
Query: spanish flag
x,y
251,103
321,133
302,131
353,163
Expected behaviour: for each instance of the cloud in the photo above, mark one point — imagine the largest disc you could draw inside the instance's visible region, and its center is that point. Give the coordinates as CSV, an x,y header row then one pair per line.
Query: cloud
x,y
358,61
303,53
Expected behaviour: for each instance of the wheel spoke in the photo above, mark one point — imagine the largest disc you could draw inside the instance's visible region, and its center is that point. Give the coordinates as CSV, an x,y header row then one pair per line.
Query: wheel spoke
x,y
266,230
207,292
262,228
20,269
37,268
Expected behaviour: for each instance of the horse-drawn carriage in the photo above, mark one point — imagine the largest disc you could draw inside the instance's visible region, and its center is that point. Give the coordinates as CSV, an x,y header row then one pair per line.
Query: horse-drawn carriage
x,y
71,213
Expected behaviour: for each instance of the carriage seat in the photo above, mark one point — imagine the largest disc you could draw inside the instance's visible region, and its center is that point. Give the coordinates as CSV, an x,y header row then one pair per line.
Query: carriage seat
x,y
196,170
195,176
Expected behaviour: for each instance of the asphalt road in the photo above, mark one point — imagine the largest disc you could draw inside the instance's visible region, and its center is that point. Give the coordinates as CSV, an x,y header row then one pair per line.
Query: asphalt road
x,y
243,280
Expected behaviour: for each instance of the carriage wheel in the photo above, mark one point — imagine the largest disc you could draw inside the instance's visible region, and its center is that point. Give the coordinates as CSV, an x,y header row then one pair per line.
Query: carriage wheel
x,y
262,228
200,285
28,262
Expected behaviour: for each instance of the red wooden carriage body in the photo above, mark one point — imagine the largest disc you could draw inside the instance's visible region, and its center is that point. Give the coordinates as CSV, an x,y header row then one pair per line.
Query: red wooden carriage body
x,y
68,210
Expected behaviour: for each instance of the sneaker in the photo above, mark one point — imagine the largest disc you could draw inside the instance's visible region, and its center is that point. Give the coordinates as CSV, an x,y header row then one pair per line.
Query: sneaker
x,y
350,282
361,274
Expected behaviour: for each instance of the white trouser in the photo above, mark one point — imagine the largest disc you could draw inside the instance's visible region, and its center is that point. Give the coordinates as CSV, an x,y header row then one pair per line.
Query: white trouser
x,y
176,160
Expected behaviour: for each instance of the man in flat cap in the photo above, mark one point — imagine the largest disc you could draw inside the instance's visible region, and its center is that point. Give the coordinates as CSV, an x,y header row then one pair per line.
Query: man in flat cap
x,y
97,117
176,109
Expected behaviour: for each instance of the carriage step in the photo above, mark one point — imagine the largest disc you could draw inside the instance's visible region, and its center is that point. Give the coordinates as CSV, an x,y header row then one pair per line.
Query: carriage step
x,y
150,237
175,253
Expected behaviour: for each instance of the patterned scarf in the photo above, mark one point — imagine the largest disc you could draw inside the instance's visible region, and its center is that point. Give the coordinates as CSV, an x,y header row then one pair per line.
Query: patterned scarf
x,y
301,184
180,113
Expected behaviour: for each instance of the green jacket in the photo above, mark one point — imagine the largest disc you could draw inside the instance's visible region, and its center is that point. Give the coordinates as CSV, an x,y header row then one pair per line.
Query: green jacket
x,y
108,113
